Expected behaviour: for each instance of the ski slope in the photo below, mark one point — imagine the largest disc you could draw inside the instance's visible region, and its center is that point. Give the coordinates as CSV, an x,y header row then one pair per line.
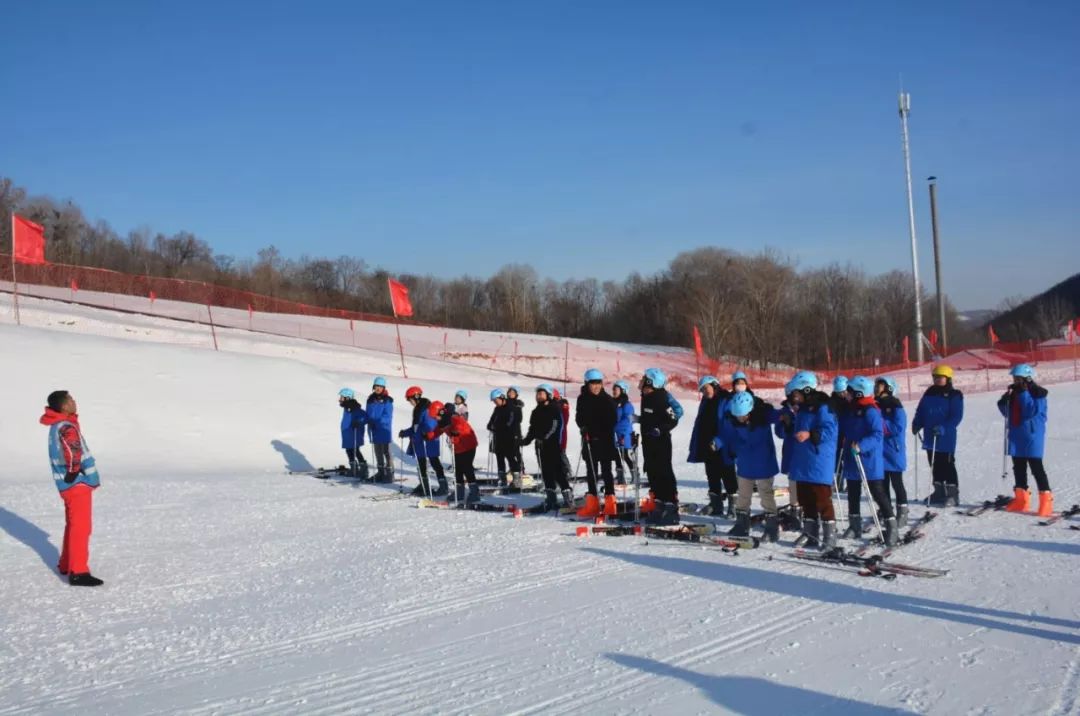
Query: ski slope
x,y
233,587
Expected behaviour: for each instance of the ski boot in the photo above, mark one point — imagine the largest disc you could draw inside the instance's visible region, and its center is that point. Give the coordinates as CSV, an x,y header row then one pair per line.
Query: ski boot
x,y
550,503
828,535
474,495
810,534
716,506
891,536
1046,503
666,513
772,528
796,519
937,499
502,480
84,580
730,514
611,506
442,490
353,470
952,495
591,508
620,477
901,515
421,489
855,528
1021,502
567,497
516,483
362,471
380,474
742,524
459,494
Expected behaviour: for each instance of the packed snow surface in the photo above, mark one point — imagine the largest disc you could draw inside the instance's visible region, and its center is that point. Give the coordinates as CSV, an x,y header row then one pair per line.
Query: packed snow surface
x,y
233,587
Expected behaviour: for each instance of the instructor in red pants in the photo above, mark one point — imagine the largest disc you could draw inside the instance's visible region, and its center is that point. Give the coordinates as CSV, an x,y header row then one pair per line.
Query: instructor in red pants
x,y
76,478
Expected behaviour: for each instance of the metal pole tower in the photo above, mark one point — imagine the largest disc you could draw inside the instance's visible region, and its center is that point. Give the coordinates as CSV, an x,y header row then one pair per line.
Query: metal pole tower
x,y
905,109
937,266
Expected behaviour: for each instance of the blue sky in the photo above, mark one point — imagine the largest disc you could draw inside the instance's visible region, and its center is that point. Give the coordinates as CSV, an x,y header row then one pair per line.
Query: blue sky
x,y
584,138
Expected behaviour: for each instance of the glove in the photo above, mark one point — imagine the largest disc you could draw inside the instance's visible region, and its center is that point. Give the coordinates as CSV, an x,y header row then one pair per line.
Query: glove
x,y
855,449
654,433
72,476
403,433
914,429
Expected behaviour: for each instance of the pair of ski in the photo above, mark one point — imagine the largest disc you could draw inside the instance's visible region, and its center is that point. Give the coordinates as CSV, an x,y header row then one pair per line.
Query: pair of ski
x,y
867,566
700,535
1001,502
914,533
1064,514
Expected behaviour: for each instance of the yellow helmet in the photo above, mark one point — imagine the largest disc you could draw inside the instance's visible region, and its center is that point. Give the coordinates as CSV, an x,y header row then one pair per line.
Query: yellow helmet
x,y
944,371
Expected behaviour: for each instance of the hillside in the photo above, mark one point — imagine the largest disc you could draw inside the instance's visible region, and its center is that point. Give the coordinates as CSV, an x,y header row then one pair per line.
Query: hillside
x,y
1040,317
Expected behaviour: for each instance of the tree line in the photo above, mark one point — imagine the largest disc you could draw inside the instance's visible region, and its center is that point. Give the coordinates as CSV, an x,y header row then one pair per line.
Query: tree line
x,y
759,308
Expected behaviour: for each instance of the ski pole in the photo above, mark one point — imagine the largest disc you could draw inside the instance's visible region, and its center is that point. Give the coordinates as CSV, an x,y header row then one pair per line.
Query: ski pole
x,y
869,499
836,481
637,483
590,469
915,459
1005,452
491,452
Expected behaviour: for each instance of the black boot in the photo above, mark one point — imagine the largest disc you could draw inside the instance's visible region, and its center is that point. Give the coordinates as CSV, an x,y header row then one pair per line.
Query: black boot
x,y
938,497
742,524
421,489
666,513
442,490
459,494
952,495
716,506
828,535
890,532
620,477
772,528
550,502
567,498
474,495
730,514
901,515
810,533
796,519
855,529
84,580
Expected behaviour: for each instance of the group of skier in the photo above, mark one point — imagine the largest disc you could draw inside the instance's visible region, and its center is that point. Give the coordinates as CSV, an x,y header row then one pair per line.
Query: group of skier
x,y
851,440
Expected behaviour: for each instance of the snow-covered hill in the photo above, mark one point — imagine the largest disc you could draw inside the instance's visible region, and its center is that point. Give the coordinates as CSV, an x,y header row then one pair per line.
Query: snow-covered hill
x,y
233,587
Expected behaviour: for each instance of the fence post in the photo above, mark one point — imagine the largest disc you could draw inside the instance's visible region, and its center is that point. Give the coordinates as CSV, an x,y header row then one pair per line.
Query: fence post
x,y
213,331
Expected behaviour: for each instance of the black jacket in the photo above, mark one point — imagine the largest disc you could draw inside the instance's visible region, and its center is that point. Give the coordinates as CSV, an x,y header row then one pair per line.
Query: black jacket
x,y
505,426
545,425
656,413
596,416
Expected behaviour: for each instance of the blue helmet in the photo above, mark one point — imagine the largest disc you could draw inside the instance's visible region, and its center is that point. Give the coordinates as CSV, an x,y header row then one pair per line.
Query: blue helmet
x,y
654,377
739,375
839,384
379,382
623,386
498,393
890,384
741,404
861,386
707,380
802,381
462,393
1023,371
347,394
546,387
593,375
514,388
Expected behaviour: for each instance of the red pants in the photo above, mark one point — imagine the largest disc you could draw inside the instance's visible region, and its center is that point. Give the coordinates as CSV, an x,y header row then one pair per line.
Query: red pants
x,y
75,553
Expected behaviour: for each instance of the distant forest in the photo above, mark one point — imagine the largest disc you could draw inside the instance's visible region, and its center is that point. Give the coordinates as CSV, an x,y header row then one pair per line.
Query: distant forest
x,y
759,308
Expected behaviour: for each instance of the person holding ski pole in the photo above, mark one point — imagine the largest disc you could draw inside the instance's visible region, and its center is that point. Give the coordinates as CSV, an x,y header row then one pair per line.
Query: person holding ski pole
x,y
424,443
595,415
545,423
513,396
746,431
504,426
625,438
463,439
813,458
564,412
75,473
894,449
658,419
705,448
353,427
864,431
938,416
380,417
1024,408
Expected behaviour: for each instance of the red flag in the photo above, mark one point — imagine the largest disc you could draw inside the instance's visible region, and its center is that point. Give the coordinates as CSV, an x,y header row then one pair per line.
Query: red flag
x,y
698,350
153,296
907,355
28,241
74,286
933,339
993,336
399,298
251,311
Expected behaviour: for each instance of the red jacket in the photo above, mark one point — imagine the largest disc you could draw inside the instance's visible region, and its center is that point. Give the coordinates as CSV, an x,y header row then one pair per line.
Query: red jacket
x,y
461,434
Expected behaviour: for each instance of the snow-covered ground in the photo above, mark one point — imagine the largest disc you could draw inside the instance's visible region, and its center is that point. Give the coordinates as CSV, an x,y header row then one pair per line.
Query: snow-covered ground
x,y
233,587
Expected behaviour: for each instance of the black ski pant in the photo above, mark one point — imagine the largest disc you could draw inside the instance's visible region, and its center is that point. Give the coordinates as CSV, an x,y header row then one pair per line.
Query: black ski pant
x,y
550,458
463,467
943,467
895,480
628,456
879,493
657,450
507,457
355,455
721,477
568,472
421,464
1020,468
594,465
382,456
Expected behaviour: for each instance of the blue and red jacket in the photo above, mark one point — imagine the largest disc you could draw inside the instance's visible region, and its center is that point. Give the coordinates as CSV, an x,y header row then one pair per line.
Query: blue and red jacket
x,y
939,414
1026,412
863,425
353,422
422,434
814,460
380,416
895,418
752,442
72,462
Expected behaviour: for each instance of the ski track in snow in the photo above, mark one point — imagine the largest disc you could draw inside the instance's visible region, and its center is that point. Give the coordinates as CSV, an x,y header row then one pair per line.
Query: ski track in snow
x,y
233,588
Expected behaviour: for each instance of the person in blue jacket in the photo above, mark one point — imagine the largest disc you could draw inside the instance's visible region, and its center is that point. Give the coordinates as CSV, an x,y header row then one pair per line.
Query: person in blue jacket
x,y
353,427
895,451
626,440
424,442
940,411
746,431
813,457
1024,408
864,433
380,415
704,447
783,430
839,403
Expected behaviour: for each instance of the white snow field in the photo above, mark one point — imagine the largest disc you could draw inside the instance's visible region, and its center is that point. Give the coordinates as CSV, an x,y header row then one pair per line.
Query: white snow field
x,y
233,587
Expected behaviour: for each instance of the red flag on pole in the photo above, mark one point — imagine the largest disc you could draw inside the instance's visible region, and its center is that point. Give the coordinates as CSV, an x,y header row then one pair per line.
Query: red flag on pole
x,y
907,346
933,339
698,350
993,336
399,298
28,241
153,297
74,286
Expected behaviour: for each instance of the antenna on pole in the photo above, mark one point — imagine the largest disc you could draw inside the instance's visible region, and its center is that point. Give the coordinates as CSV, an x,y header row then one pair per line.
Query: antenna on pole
x,y
905,110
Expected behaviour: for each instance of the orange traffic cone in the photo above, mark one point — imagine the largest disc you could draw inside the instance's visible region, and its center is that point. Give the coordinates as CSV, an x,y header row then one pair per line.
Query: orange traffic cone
x,y
1046,504
1021,502
611,506
591,508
